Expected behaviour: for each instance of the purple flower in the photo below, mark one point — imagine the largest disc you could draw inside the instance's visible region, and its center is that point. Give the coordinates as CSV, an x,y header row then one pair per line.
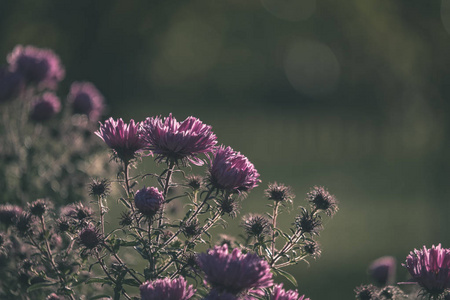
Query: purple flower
x,y
86,99
382,270
11,84
166,289
90,237
174,142
430,268
124,139
232,171
38,66
234,272
148,200
278,293
45,107
9,214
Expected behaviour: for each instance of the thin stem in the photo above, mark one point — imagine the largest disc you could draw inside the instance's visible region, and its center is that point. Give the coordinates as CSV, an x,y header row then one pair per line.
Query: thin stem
x,y
122,263
189,220
100,209
166,190
105,270
274,225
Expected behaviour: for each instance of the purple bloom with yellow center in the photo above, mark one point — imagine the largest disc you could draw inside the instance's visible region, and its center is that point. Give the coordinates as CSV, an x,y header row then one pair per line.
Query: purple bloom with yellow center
x,y
232,171
38,66
123,138
430,268
234,272
175,142
166,289
86,99
45,107
148,200
278,293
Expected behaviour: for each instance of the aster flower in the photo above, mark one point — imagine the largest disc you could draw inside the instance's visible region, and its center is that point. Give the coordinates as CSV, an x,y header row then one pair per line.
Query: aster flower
x,y
100,187
45,107
176,142
256,225
321,199
382,270
23,223
430,268
232,171
391,292
90,237
312,248
366,292
9,214
228,206
308,223
195,182
166,289
149,200
279,193
123,138
38,66
77,211
11,84
86,99
278,293
38,208
234,272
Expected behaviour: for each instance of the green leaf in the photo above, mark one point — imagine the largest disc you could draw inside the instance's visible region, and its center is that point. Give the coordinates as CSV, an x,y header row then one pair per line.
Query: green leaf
x,y
40,285
288,276
125,202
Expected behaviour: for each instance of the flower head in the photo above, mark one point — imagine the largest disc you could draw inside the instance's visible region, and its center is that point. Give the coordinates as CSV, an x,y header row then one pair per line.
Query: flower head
x,y
23,222
229,206
77,211
279,193
430,268
100,187
308,223
382,270
321,199
312,248
256,225
9,214
38,66
38,207
391,292
234,272
195,182
232,171
45,107
278,293
366,292
124,139
175,141
11,84
166,289
86,99
90,237
149,200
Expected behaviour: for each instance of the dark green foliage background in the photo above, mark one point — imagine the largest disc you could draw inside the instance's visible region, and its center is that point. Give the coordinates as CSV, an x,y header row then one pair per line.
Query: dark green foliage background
x,y
379,141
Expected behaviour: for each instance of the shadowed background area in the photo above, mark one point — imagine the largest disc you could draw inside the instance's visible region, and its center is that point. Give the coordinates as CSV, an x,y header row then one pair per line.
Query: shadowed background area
x,y
350,95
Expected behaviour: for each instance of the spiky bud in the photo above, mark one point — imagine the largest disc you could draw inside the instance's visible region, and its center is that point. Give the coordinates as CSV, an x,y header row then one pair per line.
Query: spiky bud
x,y
99,187
279,193
321,199
256,225
308,223
38,208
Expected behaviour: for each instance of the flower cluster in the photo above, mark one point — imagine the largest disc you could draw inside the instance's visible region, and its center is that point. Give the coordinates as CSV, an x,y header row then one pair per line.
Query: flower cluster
x,y
75,249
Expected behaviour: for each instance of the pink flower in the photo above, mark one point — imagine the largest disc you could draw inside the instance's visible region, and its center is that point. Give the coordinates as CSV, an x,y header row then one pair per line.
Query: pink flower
x,y
166,289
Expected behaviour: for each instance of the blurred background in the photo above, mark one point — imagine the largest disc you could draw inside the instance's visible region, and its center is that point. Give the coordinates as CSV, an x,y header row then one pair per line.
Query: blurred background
x,y
351,95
